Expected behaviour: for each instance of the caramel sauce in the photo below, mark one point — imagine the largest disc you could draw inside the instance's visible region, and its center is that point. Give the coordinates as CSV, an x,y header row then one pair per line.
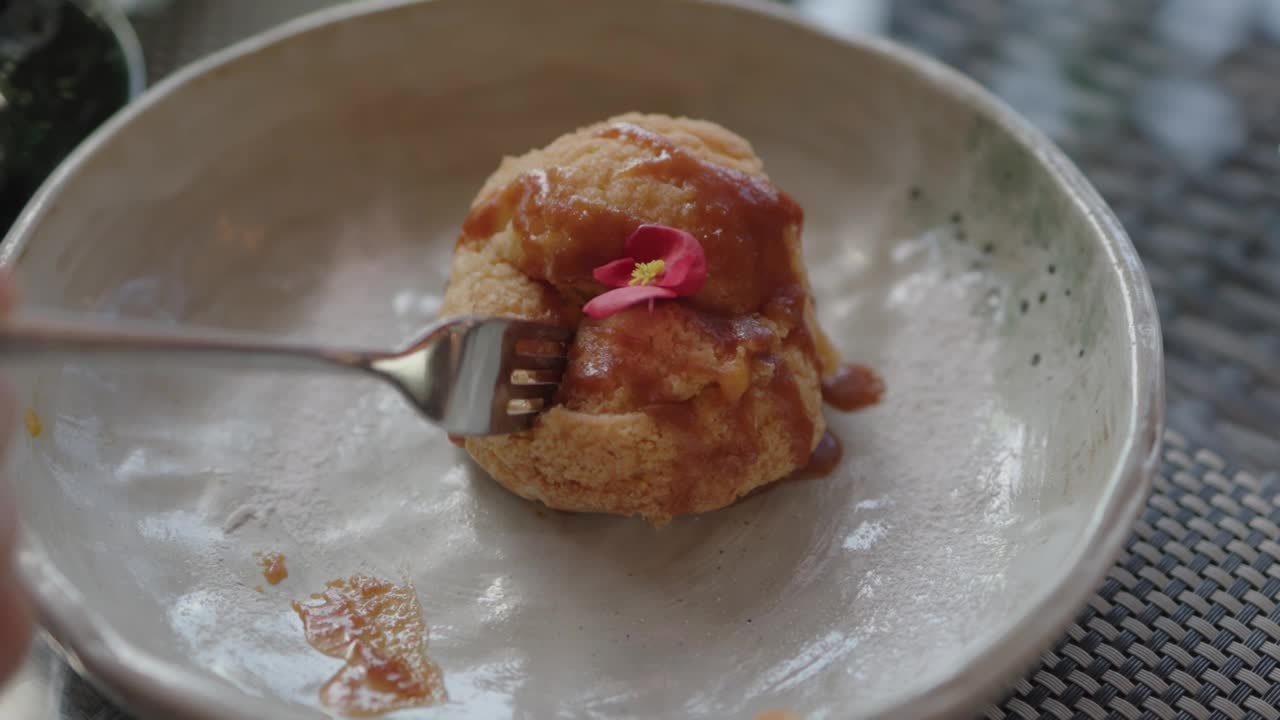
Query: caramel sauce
x,y
34,426
634,354
824,458
734,450
742,221
542,205
852,387
458,441
273,568
377,628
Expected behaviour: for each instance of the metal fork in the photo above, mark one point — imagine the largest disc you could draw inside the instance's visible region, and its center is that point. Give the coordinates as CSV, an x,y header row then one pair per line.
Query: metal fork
x,y
471,375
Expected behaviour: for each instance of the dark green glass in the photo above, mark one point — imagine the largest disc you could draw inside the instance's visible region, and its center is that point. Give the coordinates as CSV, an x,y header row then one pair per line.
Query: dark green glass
x,y
63,71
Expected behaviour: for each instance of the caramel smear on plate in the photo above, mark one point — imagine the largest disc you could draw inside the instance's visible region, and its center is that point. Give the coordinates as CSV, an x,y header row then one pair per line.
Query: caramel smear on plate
x,y
852,387
273,568
777,715
377,627
32,421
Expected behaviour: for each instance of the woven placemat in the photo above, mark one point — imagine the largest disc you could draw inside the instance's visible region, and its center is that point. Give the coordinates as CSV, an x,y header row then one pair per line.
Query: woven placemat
x,y
1187,624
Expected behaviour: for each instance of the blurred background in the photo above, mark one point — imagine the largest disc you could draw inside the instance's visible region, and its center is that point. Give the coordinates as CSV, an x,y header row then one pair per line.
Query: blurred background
x,y
1171,108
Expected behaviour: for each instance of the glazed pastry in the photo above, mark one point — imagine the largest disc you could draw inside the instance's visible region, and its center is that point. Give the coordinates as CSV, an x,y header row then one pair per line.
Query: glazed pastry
x,y
695,373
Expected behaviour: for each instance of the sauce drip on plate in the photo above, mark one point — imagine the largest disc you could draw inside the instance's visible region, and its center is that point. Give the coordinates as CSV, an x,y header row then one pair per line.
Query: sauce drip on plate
x,y
822,461
32,421
273,568
852,387
377,628
825,457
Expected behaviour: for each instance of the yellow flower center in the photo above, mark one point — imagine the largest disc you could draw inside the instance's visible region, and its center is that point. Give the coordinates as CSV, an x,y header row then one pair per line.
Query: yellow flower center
x,y
646,272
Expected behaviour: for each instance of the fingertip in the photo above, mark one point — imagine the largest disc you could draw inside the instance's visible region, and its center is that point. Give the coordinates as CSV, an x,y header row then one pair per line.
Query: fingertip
x,y
15,627
15,616
8,415
8,510
8,291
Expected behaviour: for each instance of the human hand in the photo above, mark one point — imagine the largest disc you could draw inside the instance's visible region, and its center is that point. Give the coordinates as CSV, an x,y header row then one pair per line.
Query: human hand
x,y
15,619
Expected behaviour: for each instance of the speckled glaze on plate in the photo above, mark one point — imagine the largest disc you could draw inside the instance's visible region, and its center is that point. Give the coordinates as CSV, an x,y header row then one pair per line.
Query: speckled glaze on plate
x,y
310,183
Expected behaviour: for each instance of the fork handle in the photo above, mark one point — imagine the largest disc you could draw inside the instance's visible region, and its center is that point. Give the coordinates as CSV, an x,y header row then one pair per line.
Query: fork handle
x,y
66,336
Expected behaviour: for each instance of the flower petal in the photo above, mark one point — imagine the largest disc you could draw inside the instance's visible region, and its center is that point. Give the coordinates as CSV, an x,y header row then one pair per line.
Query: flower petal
x,y
604,305
685,262
615,274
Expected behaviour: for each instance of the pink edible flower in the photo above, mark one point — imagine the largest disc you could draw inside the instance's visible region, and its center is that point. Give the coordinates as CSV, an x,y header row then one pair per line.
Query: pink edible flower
x,y
662,262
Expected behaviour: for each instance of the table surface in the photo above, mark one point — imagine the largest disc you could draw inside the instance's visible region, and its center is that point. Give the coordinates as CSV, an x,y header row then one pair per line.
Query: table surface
x,y
1172,108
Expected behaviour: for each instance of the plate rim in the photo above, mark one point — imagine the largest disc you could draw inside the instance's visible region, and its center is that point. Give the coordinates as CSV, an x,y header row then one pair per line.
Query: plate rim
x,y
142,681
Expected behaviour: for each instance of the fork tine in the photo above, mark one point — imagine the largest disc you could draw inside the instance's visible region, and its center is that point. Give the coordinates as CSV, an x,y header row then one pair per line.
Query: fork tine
x,y
522,376
509,367
511,423
540,362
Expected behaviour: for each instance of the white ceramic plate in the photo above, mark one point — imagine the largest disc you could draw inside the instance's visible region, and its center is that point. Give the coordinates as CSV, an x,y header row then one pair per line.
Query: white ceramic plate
x,y
309,183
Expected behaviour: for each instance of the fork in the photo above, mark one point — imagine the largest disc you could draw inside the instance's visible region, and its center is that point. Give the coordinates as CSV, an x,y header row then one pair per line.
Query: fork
x,y
472,375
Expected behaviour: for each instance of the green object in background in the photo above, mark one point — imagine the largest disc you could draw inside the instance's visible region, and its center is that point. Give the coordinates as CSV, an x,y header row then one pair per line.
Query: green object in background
x,y
65,67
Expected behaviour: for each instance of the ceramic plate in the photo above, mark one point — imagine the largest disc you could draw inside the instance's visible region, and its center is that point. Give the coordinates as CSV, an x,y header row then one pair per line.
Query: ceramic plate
x,y
309,184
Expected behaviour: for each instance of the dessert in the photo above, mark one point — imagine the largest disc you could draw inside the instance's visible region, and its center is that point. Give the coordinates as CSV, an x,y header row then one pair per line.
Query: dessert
x,y
695,373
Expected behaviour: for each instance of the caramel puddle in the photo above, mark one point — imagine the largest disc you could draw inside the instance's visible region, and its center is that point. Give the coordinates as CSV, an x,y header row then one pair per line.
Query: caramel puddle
x,y
852,387
377,628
